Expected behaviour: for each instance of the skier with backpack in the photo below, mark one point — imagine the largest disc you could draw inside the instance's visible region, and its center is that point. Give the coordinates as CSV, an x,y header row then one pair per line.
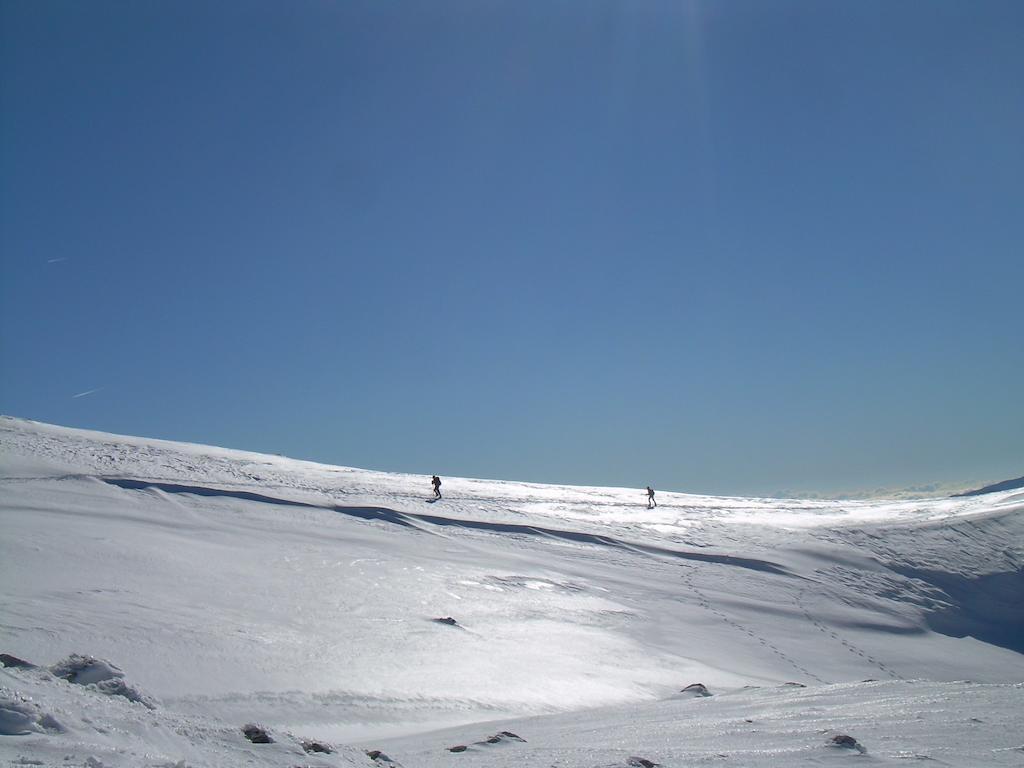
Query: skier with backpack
x,y
436,482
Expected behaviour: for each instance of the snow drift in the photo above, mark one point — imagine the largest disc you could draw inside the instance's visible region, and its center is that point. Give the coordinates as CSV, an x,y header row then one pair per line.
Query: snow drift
x,y
236,589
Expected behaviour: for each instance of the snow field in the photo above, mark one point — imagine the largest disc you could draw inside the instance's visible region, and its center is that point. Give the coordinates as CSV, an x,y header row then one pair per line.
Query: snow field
x,y
231,588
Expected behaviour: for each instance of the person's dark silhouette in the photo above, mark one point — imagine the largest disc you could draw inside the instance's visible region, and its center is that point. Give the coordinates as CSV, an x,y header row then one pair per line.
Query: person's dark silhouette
x,y
436,482
651,503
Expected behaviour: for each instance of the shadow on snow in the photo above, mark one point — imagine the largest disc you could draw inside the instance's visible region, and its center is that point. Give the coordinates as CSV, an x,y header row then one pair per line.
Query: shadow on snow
x,y
409,520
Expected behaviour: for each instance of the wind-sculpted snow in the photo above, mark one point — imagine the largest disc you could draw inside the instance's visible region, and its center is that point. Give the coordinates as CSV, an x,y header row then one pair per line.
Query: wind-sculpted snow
x,y
340,604
410,520
878,723
989,608
101,676
82,453
47,722
970,580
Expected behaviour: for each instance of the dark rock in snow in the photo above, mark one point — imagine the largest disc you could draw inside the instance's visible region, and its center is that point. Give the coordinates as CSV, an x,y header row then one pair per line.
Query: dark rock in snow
x,y
846,742
379,757
14,662
696,689
501,737
641,762
793,685
256,734
316,746
447,620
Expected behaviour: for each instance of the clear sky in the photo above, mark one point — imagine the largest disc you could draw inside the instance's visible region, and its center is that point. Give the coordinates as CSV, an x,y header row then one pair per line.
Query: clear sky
x,y
735,246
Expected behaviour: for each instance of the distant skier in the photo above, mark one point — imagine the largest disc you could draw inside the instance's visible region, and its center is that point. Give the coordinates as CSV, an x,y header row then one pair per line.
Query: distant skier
x,y
436,482
651,503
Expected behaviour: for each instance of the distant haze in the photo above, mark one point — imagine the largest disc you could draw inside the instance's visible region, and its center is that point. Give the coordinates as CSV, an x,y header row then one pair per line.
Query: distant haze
x,y
922,491
724,247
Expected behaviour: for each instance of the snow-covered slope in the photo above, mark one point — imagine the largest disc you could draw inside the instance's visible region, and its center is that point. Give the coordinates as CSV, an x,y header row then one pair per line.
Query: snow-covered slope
x,y
234,587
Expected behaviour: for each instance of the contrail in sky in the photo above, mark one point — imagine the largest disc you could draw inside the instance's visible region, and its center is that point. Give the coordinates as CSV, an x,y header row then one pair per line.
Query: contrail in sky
x,y
87,392
54,261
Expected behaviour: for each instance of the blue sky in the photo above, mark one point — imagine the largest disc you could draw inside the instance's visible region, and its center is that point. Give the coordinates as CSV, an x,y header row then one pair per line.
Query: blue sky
x,y
730,247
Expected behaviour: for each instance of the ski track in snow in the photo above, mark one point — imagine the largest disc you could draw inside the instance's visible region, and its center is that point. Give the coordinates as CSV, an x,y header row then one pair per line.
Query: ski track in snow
x,y
237,587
